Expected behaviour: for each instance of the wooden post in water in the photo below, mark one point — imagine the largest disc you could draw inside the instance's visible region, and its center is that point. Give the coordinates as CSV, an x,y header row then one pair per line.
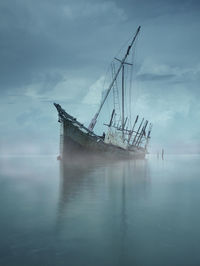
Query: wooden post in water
x,y
162,154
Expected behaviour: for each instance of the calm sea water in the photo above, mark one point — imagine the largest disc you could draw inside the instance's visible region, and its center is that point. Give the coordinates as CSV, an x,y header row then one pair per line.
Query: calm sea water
x,y
136,213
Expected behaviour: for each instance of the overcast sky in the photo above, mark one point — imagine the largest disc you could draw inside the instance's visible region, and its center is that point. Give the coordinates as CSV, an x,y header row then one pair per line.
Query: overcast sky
x,y
59,51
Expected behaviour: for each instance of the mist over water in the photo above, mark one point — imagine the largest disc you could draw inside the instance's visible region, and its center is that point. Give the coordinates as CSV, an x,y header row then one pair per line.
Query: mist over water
x,y
139,212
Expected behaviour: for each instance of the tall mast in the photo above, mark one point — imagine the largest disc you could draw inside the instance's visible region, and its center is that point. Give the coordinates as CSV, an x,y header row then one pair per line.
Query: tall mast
x,y
123,102
94,120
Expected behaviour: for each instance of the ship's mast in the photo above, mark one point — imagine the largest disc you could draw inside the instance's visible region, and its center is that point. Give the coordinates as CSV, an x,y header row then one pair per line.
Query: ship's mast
x,y
94,120
123,102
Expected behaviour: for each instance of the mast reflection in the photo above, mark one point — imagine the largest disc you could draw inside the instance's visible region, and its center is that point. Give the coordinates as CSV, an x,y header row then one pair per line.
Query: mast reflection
x,y
119,182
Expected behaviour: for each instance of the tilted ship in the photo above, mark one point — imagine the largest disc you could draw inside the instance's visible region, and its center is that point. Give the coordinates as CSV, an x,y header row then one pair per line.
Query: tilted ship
x,y
122,139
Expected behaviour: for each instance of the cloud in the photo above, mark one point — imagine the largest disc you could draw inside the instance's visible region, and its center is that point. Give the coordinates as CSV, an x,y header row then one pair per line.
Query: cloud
x,y
154,77
94,9
153,71
94,94
42,38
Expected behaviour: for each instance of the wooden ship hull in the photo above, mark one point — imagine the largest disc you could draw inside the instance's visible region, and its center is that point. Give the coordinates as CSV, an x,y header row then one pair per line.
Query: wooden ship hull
x,y
77,141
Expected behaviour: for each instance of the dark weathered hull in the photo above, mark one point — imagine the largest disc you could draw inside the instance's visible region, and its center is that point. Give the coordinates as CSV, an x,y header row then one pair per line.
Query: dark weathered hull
x,y
76,142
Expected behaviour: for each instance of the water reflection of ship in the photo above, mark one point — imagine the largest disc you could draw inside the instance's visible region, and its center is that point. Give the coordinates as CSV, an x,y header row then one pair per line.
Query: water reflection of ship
x,y
121,182
140,177
133,178
71,182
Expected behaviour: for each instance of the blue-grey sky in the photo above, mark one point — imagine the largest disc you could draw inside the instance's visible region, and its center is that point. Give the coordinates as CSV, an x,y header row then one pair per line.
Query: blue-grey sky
x,y
59,51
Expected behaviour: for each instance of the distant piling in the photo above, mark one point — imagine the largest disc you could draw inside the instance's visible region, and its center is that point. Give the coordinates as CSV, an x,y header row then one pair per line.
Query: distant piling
x,y
162,154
